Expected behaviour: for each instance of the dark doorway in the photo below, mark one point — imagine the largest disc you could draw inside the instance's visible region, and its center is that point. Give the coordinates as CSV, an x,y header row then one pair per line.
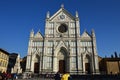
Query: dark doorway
x,y
87,68
36,67
62,66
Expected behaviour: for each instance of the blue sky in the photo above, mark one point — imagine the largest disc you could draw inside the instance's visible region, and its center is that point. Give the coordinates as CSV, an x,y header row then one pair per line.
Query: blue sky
x,y
18,17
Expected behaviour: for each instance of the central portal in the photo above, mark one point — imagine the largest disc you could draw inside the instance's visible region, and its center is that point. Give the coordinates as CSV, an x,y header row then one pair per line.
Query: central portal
x,y
62,60
61,66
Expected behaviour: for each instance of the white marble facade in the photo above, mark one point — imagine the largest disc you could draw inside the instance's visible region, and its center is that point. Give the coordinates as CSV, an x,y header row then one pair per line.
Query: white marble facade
x,y
62,48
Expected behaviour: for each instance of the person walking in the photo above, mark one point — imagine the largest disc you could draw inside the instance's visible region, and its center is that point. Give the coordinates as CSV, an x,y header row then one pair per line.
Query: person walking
x,y
66,76
57,76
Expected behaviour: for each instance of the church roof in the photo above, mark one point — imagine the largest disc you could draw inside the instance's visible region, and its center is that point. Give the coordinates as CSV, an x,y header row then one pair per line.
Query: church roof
x,y
2,50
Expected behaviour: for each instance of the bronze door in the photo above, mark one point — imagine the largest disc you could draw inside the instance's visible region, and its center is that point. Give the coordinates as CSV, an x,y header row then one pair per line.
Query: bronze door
x,y
36,67
62,66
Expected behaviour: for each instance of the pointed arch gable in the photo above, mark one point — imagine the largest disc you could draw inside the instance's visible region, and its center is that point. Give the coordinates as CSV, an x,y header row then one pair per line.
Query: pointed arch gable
x,y
87,57
60,46
86,52
36,53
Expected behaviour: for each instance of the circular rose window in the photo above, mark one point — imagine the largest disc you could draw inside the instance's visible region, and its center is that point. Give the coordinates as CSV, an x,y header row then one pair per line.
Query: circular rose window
x,y
62,28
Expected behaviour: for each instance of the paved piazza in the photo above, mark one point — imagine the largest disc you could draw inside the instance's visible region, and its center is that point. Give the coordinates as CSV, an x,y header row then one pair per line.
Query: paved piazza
x,y
84,77
36,79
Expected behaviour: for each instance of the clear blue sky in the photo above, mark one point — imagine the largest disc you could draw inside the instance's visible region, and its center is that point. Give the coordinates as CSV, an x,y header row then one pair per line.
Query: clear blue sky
x,y
18,17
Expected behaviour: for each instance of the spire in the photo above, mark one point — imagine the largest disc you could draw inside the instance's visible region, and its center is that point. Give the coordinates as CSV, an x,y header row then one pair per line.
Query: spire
x,y
39,30
93,33
48,15
62,5
32,33
76,14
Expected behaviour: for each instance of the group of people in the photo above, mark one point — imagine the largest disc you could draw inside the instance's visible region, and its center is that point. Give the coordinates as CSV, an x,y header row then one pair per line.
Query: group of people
x,y
6,76
65,76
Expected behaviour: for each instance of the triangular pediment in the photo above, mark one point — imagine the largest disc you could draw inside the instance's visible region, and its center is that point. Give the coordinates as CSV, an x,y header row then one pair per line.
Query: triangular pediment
x,y
86,35
38,35
62,15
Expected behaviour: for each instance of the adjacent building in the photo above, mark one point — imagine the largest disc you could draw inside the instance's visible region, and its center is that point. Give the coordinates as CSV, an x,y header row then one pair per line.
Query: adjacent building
x,y
109,65
63,48
23,63
4,58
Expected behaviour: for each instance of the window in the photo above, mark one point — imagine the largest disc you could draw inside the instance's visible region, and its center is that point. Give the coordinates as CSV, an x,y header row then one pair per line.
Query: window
x,y
73,50
50,31
49,61
37,43
73,43
51,24
66,43
49,51
50,43
72,31
73,59
87,43
72,25
62,28
73,62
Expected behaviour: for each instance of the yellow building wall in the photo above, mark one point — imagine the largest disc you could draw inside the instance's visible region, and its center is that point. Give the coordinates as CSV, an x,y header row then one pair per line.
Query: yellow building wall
x,y
112,67
4,58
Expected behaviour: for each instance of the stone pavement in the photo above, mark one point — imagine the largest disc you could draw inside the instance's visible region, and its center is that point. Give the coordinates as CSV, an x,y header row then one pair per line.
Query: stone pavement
x,y
36,79
82,77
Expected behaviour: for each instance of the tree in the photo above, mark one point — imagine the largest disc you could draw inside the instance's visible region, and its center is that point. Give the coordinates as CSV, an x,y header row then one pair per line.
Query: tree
x,y
111,55
115,53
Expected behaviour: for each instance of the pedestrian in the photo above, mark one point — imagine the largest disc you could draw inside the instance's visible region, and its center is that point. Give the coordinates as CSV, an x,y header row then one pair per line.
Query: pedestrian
x,y
1,76
57,76
14,76
4,75
66,76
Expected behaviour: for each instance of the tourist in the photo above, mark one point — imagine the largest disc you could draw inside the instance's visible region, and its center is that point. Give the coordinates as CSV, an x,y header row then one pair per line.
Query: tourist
x,y
66,76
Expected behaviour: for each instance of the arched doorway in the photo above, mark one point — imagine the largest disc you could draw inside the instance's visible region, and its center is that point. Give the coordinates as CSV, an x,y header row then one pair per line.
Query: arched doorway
x,y
36,64
62,60
87,64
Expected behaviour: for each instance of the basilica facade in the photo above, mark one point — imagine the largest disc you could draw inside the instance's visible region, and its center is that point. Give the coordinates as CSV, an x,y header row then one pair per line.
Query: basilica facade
x,y
62,48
